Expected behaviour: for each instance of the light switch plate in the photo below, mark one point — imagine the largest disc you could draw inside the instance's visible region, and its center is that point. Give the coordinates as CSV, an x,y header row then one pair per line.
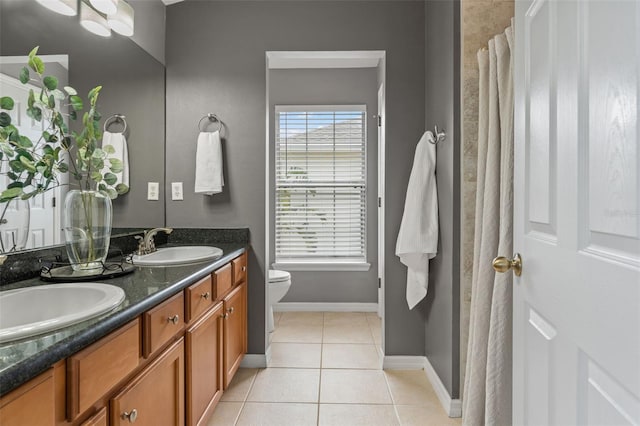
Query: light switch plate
x,y
153,191
176,191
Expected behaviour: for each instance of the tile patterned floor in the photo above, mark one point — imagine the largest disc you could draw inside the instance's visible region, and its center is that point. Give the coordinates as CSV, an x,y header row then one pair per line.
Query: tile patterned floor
x,y
325,369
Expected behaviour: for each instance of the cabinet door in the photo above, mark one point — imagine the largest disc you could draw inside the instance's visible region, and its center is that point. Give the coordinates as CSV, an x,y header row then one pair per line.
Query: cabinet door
x,y
155,397
31,404
235,331
204,366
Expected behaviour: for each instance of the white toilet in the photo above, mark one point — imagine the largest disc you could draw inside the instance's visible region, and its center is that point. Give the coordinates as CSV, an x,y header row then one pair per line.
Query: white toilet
x,y
279,284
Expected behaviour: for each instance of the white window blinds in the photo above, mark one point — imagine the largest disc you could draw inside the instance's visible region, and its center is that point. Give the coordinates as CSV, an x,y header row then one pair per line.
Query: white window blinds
x,y
320,183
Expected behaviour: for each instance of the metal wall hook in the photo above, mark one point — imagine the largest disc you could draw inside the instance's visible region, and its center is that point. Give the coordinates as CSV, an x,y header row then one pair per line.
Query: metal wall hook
x,y
438,136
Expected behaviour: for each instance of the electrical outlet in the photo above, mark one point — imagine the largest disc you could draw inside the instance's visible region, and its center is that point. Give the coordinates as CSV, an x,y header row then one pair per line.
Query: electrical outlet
x,y
176,191
153,191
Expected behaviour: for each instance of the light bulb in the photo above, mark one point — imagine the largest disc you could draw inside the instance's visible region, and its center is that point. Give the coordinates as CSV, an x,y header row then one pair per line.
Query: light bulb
x,y
93,22
105,6
122,21
63,7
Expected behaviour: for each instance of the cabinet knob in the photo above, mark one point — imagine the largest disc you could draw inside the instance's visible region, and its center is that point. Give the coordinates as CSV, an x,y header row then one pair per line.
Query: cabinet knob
x,y
231,309
206,295
131,415
224,316
174,319
244,269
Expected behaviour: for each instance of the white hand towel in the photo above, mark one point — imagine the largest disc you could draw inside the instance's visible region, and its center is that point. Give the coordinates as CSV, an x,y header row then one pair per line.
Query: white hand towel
x,y
209,178
418,237
119,144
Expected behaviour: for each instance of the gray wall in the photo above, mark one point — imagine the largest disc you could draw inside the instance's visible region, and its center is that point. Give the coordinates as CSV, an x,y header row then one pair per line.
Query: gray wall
x,y
215,62
442,108
133,84
149,27
331,87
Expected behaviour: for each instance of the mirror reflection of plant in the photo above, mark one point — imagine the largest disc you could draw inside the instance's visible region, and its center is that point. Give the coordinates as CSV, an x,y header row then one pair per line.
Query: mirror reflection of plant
x,y
33,167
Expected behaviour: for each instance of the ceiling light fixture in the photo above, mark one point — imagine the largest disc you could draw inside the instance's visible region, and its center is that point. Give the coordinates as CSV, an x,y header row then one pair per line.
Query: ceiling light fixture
x,y
63,7
107,7
93,22
122,21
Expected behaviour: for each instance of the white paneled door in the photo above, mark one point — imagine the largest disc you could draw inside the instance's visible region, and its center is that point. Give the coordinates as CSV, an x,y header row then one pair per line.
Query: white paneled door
x,y
576,312
42,230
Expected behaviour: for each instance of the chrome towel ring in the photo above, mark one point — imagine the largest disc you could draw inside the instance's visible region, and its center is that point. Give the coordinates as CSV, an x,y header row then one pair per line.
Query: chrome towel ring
x,y
114,119
212,118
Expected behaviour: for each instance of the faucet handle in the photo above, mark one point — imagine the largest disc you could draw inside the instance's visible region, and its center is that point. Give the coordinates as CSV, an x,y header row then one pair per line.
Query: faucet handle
x,y
141,247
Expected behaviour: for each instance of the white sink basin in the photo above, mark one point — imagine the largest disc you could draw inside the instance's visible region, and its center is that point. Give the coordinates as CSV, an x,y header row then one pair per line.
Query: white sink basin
x,y
29,311
177,256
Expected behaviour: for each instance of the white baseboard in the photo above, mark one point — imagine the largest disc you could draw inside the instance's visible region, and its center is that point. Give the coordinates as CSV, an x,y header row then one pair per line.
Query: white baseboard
x,y
453,407
402,362
324,307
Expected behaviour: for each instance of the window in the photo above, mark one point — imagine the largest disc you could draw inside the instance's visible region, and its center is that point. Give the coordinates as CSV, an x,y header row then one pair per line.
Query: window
x,y
320,184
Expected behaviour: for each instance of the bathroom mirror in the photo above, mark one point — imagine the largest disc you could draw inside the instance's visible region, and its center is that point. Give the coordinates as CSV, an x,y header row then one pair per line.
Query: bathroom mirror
x,y
133,84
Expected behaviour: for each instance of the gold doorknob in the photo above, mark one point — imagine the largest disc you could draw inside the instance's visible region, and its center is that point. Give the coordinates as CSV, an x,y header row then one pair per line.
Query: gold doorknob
x,y
503,264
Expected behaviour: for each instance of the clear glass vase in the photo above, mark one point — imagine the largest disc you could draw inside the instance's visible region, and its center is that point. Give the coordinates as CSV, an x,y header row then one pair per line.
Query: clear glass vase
x,y
15,218
87,229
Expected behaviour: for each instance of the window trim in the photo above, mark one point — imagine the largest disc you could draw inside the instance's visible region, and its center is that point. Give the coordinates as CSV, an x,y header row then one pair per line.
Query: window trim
x,y
325,263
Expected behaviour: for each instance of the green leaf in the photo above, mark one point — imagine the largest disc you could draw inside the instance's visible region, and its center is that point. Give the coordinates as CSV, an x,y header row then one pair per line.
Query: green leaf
x,y
33,52
48,150
35,113
93,94
50,82
24,142
28,164
109,149
76,103
116,165
112,193
52,102
17,166
36,64
110,178
73,115
32,98
98,153
121,188
58,94
10,193
17,184
24,75
5,119
6,103
96,176
70,90
63,167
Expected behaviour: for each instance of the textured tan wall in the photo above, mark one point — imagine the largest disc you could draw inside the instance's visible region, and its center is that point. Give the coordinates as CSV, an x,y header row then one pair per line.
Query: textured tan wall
x,y
480,21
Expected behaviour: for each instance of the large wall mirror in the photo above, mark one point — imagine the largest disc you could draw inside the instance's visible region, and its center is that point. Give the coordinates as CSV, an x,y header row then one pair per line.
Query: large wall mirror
x,y
133,85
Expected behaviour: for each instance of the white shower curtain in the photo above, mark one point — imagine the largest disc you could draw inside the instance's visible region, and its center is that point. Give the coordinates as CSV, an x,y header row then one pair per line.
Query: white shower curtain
x,y
487,387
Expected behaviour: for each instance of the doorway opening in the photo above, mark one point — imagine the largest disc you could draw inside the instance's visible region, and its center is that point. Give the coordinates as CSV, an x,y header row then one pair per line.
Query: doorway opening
x,y
324,189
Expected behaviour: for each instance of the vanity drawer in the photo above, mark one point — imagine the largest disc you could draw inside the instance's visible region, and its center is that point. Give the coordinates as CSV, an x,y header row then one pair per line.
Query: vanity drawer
x,y
239,269
95,370
222,281
199,298
162,323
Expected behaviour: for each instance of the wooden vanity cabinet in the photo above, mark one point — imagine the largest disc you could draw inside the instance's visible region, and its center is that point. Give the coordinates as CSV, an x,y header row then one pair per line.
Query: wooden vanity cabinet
x,y
204,365
235,331
156,395
31,404
98,419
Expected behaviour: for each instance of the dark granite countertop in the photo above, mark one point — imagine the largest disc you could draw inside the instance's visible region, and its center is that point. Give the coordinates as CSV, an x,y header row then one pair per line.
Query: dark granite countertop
x,y
23,360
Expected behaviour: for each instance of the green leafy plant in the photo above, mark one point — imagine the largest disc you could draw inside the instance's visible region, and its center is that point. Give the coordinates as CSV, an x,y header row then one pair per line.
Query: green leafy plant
x,y
34,166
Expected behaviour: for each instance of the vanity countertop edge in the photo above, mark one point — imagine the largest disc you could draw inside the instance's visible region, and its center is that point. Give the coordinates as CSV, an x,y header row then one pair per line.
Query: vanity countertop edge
x,y
81,335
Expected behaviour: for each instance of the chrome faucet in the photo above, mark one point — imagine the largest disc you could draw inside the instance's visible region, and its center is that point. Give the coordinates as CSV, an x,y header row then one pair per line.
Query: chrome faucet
x,y
147,245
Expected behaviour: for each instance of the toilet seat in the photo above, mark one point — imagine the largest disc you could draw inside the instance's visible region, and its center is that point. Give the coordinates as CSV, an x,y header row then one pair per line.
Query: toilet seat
x,y
276,276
